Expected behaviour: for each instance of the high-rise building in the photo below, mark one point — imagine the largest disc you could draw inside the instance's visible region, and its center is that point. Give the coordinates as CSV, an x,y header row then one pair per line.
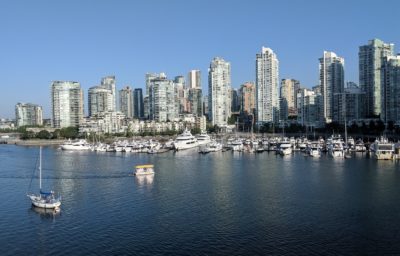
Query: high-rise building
x,y
67,104
370,63
331,77
194,79
235,105
205,106
267,84
100,99
109,83
181,93
219,89
28,114
288,98
353,96
138,103
148,99
247,98
196,101
306,107
126,101
391,89
162,100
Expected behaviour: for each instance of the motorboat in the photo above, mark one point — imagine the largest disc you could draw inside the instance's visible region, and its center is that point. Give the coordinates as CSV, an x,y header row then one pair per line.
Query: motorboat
x,y
185,140
382,149
213,146
335,147
76,145
314,149
203,138
285,148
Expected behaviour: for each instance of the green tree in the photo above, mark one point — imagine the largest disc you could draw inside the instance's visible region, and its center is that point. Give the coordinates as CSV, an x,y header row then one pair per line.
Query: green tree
x,y
44,135
69,132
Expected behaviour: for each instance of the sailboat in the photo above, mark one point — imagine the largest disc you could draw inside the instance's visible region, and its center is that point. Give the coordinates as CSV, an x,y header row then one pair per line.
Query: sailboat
x,y
46,200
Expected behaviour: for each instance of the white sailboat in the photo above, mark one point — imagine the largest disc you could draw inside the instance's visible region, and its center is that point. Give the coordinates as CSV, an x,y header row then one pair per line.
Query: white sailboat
x,y
46,200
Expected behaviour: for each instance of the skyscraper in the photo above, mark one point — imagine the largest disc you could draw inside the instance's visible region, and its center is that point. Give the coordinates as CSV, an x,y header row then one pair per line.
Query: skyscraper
x,y
194,79
288,98
100,99
247,98
267,84
109,83
28,114
67,103
353,96
370,63
181,93
235,105
219,89
196,101
138,104
126,101
162,100
391,89
331,77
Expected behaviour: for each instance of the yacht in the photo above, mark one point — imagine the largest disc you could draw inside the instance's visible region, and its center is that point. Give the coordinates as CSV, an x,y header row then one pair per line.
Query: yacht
x,y
203,138
76,145
382,149
285,148
185,140
335,147
213,146
314,149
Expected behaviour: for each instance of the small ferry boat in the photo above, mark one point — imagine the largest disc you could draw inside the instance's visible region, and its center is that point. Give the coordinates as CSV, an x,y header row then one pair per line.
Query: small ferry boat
x,y
144,169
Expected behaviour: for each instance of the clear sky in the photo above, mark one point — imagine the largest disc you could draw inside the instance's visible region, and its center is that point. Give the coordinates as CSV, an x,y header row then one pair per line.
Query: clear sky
x,y
84,40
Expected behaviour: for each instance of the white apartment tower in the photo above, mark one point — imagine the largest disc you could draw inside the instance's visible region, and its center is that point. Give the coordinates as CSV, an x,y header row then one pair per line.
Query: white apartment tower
x,y
100,99
219,89
28,114
109,83
67,103
194,79
331,77
267,86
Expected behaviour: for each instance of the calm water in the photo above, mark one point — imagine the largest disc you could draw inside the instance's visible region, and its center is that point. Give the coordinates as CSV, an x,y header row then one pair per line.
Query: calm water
x,y
223,203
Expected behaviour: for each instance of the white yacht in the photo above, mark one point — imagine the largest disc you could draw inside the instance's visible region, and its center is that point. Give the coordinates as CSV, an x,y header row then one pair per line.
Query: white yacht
x,y
75,145
314,149
335,147
203,138
213,146
382,149
285,148
185,140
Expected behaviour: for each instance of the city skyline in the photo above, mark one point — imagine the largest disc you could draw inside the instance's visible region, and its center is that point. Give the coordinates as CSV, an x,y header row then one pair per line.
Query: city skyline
x,y
42,47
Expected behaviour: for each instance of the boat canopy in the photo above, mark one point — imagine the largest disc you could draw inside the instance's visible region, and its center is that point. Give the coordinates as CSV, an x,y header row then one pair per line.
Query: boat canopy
x,y
45,193
145,166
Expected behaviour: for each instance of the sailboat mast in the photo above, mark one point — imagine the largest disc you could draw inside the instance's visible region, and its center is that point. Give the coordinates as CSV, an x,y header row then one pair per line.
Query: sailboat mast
x,y
40,168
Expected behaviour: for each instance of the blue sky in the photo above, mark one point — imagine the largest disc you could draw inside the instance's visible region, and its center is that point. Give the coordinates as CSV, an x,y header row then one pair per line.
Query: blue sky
x,y
42,41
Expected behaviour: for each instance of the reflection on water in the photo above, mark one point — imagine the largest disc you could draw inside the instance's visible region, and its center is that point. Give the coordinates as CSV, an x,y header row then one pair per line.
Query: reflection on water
x,y
145,180
225,203
46,213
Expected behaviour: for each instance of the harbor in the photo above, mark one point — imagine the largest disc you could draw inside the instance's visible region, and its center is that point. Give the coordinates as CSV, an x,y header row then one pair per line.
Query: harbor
x,y
232,202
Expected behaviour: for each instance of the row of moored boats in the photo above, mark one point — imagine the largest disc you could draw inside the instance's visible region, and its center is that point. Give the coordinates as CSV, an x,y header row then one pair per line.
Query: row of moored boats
x,y
334,146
